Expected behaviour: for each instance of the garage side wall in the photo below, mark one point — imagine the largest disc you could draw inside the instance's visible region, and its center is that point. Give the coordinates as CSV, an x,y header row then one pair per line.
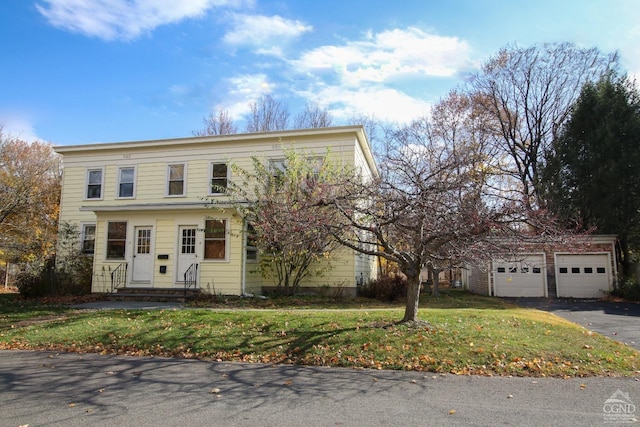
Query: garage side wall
x,y
478,281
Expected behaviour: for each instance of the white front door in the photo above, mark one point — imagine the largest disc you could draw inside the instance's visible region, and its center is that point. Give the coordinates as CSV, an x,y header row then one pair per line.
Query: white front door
x,y
186,250
142,257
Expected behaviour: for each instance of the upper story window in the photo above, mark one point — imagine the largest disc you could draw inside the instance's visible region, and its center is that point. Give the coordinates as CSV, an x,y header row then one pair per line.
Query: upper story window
x,y
219,178
126,181
88,238
278,168
94,183
176,184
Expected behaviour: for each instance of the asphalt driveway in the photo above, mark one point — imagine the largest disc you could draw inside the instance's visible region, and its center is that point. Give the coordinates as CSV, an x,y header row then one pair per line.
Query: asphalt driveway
x,y
617,320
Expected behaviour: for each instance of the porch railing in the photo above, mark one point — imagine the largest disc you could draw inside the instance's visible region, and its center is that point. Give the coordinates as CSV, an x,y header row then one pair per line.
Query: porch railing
x,y
191,277
118,276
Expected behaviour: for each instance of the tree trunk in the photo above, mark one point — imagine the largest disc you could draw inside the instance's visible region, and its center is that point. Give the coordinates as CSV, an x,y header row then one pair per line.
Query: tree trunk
x,y
413,300
436,281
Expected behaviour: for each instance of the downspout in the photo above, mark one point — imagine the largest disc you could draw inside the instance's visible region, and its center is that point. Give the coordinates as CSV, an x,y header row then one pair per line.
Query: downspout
x,y
616,281
243,279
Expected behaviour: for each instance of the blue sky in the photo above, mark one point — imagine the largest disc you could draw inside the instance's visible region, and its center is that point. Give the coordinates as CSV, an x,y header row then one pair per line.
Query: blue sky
x,y
84,71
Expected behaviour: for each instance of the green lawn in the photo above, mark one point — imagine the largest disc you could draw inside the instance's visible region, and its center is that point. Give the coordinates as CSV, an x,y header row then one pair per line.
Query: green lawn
x,y
467,335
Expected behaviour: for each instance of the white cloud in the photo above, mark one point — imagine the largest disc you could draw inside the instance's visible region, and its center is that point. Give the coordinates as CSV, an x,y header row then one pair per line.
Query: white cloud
x,y
368,75
243,91
18,126
379,74
389,54
381,102
124,19
265,33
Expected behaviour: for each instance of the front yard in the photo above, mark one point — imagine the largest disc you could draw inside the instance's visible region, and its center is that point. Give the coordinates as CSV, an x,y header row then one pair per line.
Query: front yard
x,y
467,335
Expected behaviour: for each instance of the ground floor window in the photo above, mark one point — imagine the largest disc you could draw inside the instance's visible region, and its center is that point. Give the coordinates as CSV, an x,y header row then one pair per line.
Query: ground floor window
x,y
252,244
88,238
215,240
116,239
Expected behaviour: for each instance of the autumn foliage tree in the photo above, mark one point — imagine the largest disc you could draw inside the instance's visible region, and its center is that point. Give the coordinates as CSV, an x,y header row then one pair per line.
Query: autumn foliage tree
x,y
279,201
29,199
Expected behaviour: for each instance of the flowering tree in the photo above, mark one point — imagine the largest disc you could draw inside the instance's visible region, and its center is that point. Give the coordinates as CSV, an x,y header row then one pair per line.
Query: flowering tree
x,y
280,202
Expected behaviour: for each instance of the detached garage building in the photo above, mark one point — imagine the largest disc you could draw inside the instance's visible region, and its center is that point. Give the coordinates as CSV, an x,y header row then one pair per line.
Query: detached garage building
x,y
588,271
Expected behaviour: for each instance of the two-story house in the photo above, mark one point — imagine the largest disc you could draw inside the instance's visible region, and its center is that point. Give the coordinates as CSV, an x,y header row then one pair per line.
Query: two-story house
x,y
142,208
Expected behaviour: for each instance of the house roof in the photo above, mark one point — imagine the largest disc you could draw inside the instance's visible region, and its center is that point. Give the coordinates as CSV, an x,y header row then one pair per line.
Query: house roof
x,y
357,130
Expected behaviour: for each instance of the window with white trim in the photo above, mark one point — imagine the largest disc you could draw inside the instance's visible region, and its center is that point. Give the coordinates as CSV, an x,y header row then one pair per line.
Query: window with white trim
x,y
278,169
215,239
88,239
126,182
94,184
116,239
219,178
176,179
252,244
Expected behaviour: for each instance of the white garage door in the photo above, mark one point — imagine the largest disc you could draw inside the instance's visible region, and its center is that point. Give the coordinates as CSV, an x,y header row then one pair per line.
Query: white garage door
x,y
525,277
583,275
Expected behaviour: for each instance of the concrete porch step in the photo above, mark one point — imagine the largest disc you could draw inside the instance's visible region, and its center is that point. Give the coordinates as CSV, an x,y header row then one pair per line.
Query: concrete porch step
x,y
153,294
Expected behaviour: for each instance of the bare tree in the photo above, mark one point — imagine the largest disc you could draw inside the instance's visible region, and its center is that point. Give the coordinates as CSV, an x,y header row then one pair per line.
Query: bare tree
x,y
437,203
268,114
529,93
218,123
313,116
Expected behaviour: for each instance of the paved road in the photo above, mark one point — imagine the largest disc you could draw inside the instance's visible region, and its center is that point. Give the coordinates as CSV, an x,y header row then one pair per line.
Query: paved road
x,y
66,389
617,320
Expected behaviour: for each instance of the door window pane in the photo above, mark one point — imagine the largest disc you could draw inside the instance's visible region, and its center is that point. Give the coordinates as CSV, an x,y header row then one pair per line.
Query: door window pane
x,y
188,243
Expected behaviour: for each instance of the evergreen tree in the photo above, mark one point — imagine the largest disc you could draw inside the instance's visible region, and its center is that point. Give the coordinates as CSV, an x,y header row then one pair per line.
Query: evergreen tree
x,y
593,174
